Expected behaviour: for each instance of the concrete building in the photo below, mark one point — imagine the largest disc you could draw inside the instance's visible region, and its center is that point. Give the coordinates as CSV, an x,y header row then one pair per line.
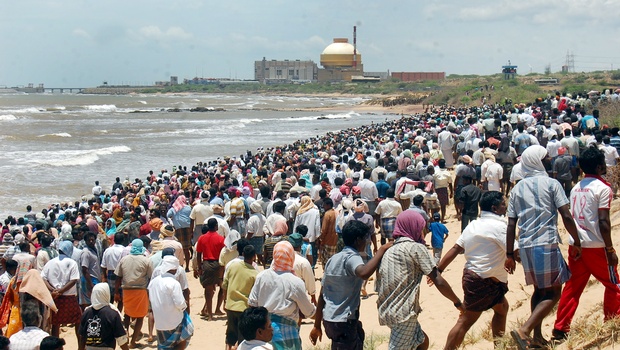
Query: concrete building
x,y
287,71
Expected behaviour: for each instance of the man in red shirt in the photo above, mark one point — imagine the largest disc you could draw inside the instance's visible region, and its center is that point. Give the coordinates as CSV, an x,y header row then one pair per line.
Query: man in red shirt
x,y
208,250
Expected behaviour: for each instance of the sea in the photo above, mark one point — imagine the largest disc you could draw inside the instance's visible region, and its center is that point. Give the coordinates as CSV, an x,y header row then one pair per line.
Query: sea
x,y
53,147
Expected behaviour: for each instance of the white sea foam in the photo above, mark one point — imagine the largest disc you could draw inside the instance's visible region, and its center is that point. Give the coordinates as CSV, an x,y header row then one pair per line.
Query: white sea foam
x,y
326,116
101,108
7,117
75,157
60,134
143,102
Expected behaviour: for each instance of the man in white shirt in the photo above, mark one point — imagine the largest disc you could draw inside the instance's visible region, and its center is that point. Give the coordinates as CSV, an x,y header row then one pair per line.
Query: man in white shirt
x,y
302,266
387,211
200,213
174,328
60,276
590,202
369,192
31,336
493,175
483,243
109,262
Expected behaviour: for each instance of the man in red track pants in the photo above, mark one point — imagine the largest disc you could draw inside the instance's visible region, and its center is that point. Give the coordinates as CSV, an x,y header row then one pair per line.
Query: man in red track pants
x,y
590,201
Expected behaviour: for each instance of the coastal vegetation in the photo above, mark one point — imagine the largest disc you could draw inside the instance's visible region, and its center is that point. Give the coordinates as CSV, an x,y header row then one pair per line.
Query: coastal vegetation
x,y
459,90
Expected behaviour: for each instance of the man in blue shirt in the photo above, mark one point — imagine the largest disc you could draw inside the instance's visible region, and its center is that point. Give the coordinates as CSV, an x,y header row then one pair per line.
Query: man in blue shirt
x,y
339,300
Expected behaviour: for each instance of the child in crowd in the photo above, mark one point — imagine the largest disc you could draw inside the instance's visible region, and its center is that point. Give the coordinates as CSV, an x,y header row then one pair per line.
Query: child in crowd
x,y
439,233
255,327
306,248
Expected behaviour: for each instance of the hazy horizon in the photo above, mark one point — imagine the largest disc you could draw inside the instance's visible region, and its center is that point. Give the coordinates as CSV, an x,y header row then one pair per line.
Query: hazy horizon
x,y
83,44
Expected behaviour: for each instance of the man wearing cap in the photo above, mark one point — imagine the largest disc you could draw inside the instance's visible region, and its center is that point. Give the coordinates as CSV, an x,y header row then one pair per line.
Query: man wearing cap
x,y
167,239
302,266
18,239
254,229
60,276
222,225
134,272
172,322
200,212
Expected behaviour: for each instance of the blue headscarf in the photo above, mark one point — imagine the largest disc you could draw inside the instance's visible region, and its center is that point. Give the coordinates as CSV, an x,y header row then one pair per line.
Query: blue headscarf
x,y
137,247
112,230
65,248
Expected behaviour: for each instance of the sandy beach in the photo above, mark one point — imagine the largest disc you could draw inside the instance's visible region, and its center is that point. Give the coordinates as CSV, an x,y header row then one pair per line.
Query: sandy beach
x,y
438,315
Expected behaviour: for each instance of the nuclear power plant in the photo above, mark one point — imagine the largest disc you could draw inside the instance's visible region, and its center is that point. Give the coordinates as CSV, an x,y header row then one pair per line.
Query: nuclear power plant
x,y
341,61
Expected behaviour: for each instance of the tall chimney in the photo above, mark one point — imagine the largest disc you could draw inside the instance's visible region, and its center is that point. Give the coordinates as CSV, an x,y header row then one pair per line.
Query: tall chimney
x,y
354,47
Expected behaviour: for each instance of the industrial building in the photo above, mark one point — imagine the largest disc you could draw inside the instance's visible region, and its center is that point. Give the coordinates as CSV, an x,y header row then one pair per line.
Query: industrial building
x,y
419,76
270,72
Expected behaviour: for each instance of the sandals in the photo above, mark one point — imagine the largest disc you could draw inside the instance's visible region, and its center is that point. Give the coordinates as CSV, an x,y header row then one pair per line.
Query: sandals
x,y
522,344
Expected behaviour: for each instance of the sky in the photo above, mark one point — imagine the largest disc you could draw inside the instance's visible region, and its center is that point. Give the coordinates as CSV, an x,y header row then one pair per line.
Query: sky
x,y
81,43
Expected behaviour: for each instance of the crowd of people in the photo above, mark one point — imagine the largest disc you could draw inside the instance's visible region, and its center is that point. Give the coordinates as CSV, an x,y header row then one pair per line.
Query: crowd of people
x,y
252,228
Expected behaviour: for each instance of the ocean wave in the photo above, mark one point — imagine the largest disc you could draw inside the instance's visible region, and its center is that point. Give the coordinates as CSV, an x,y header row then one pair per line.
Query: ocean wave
x,y
7,117
143,102
56,109
75,157
60,134
100,108
250,121
24,110
324,116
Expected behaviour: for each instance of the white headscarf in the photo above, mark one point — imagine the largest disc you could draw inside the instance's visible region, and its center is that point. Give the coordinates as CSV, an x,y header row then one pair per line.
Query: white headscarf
x,y
100,296
231,239
532,161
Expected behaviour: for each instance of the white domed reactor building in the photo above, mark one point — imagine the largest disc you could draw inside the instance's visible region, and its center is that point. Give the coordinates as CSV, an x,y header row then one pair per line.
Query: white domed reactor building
x,y
341,61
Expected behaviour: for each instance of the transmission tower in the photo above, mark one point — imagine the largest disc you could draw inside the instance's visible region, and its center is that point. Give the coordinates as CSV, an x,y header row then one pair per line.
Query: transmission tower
x,y
570,62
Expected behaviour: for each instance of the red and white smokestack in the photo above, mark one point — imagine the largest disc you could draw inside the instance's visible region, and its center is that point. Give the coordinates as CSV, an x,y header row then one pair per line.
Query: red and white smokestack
x,y
354,47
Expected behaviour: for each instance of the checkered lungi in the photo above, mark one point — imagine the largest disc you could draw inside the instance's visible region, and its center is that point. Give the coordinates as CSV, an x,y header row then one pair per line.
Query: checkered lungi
x,y
285,333
69,311
406,335
184,331
544,266
327,251
442,195
184,235
481,294
387,227
257,243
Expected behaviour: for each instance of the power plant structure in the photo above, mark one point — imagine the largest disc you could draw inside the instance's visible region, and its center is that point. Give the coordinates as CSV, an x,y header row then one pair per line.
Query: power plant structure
x,y
340,61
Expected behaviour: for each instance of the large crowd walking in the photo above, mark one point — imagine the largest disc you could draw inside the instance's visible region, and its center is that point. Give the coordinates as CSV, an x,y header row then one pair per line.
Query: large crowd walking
x,y
259,229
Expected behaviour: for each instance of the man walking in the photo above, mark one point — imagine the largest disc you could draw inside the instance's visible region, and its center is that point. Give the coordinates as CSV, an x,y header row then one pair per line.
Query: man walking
x,y
134,272
590,203
485,281
339,300
173,325
534,204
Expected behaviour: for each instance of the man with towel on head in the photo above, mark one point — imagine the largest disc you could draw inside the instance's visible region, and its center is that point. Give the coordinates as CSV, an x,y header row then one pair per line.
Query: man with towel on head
x,y
284,295
101,325
173,324
254,229
534,204
134,272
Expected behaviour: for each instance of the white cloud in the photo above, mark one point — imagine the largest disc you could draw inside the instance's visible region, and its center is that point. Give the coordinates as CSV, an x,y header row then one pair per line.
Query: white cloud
x,y
538,11
154,33
79,32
